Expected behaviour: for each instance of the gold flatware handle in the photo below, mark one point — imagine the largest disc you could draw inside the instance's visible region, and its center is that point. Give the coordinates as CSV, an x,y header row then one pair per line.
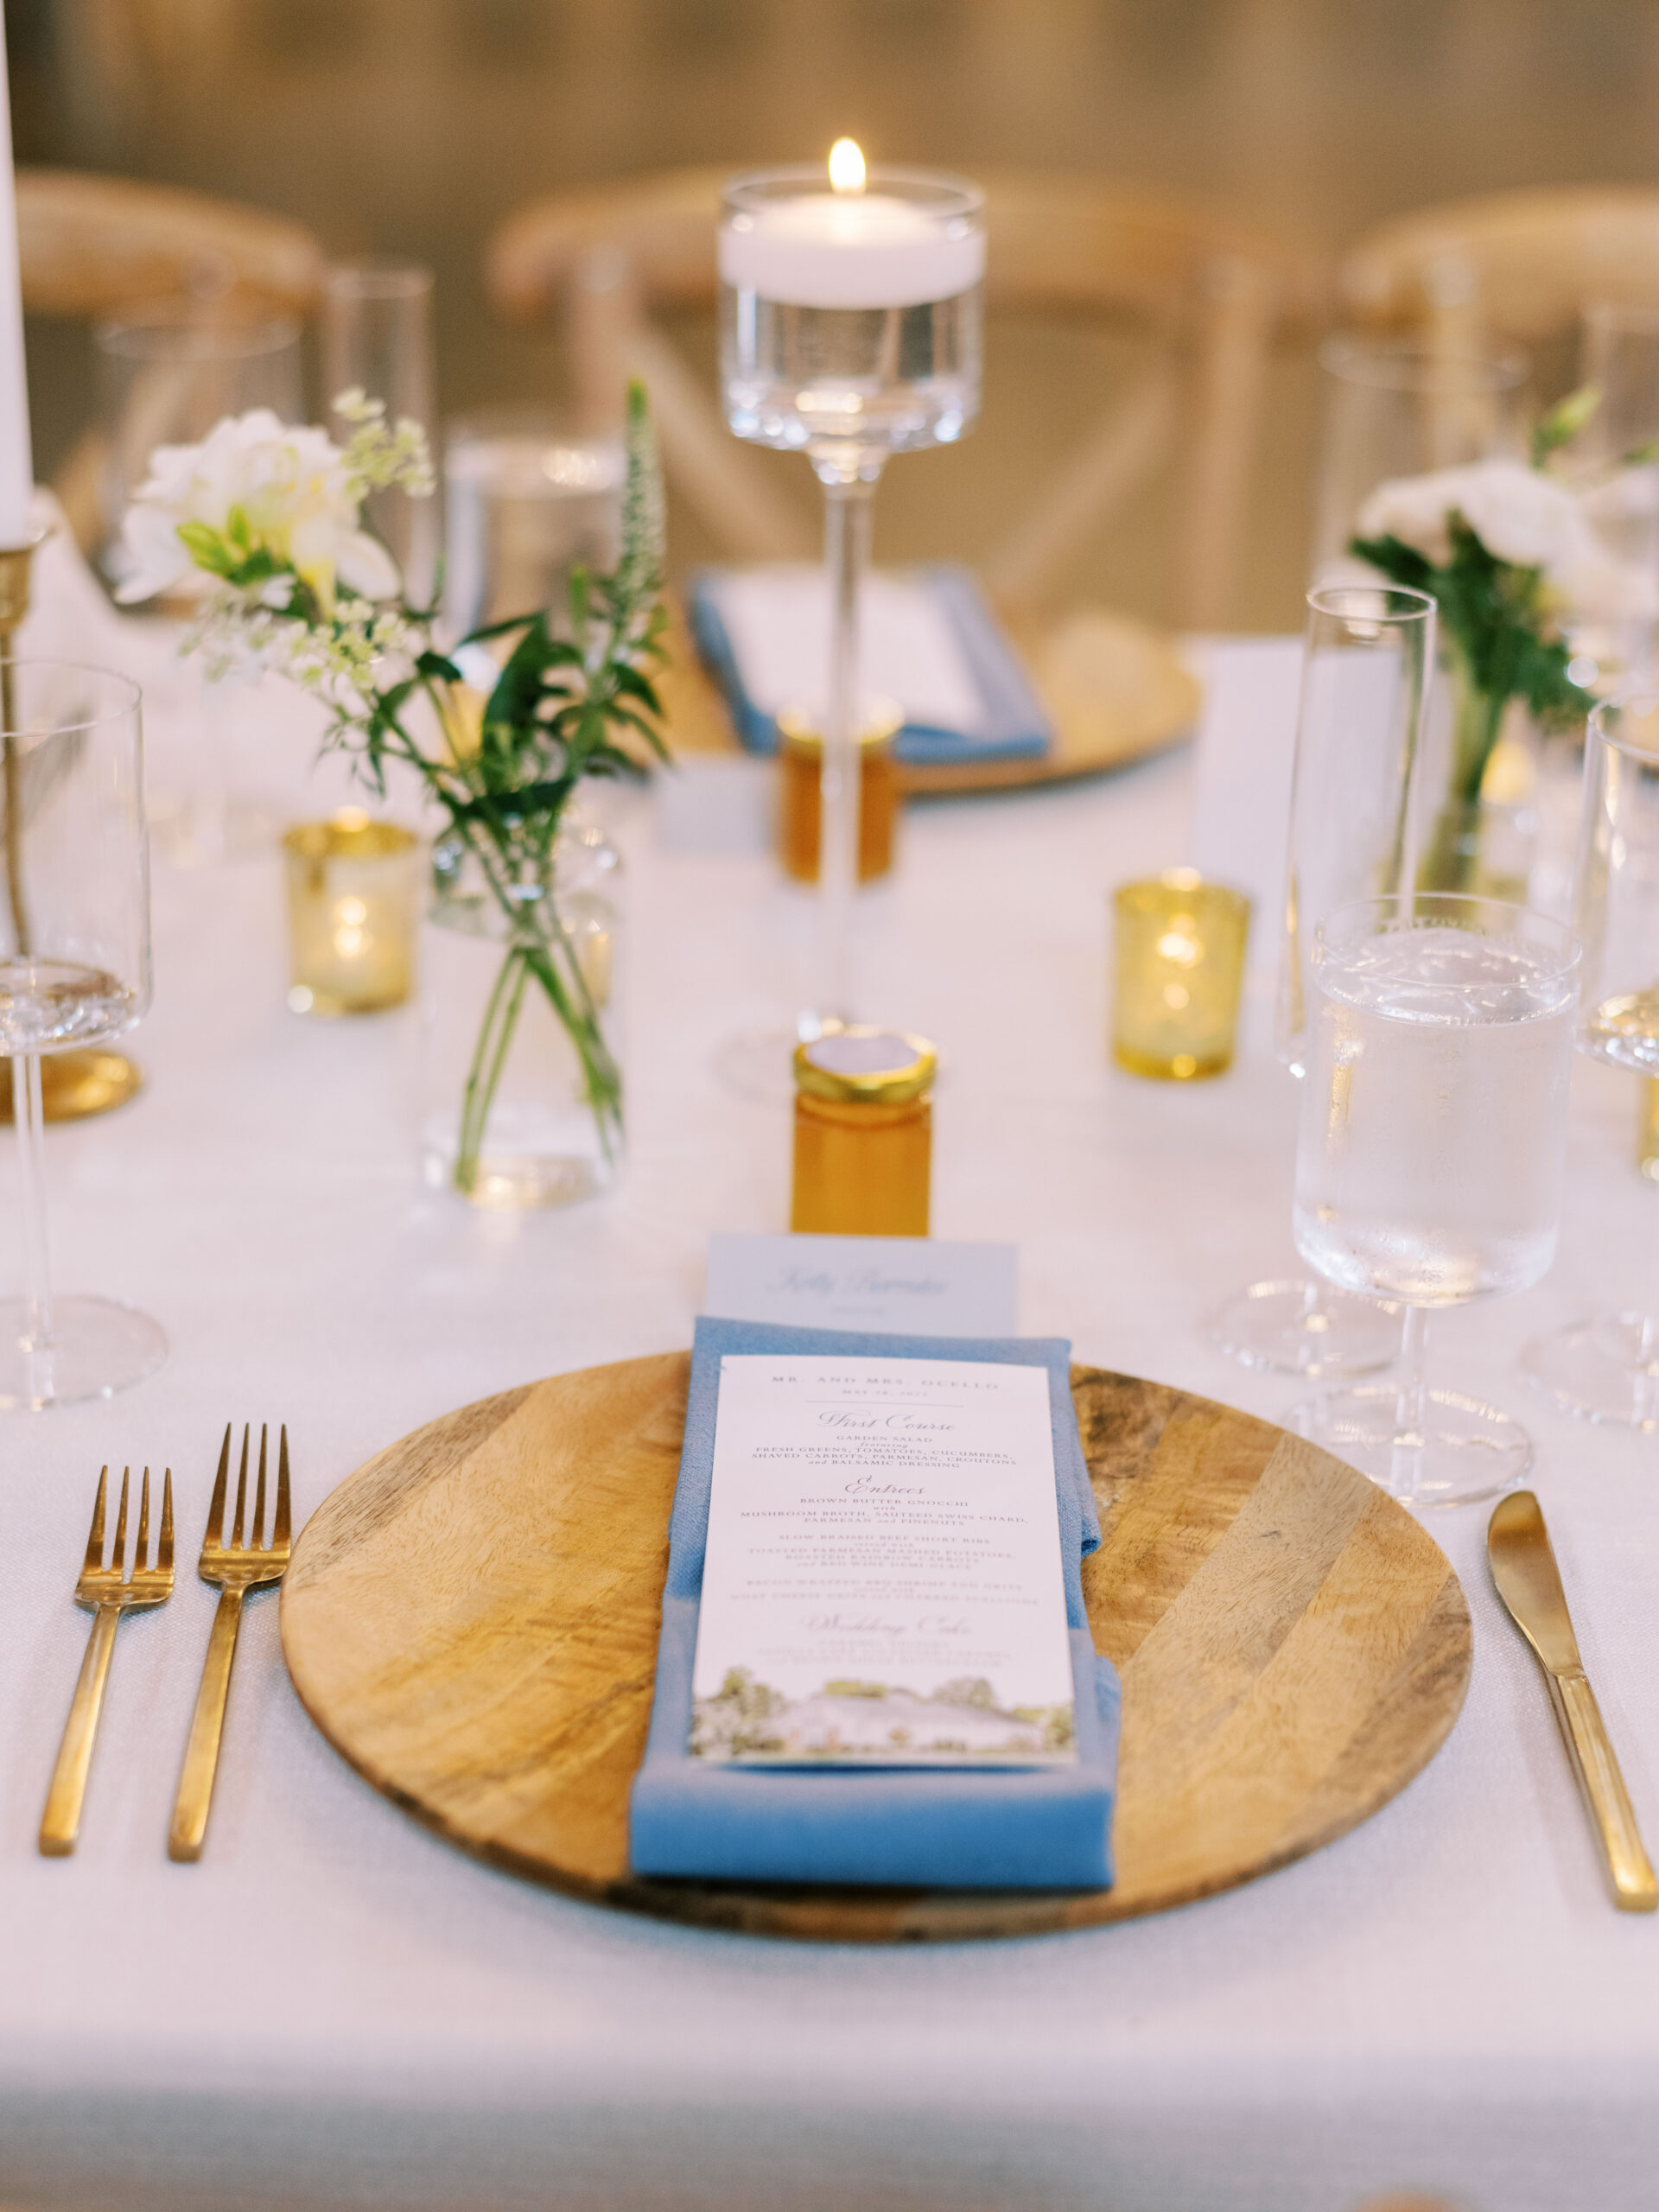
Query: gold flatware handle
x,y
60,1822
196,1777
1603,1791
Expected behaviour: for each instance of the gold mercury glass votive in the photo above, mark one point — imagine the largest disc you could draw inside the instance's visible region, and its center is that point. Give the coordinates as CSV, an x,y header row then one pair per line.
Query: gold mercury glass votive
x,y
353,890
1178,964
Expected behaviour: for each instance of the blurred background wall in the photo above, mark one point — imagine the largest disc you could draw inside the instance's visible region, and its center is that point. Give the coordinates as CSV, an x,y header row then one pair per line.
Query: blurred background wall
x,y
410,126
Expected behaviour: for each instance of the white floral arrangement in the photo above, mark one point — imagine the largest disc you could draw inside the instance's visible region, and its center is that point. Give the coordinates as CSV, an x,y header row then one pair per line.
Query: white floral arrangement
x,y
263,523
1528,520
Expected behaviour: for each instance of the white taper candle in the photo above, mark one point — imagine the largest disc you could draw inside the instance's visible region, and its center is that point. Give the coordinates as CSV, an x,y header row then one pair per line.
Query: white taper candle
x,y
16,457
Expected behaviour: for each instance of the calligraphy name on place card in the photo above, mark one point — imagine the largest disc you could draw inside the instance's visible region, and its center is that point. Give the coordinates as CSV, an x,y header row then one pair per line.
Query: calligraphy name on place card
x,y
893,1286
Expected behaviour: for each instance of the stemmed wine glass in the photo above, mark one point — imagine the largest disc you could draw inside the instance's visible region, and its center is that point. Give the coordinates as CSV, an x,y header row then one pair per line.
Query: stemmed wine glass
x,y
1368,652
74,970
1606,1369
850,321
1430,1157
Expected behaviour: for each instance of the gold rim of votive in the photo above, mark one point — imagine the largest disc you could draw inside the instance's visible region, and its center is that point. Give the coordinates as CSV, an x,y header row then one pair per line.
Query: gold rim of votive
x,y
1152,894
351,834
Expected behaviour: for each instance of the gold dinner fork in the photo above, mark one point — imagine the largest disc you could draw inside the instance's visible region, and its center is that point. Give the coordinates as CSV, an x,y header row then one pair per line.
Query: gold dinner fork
x,y
102,1590
236,1568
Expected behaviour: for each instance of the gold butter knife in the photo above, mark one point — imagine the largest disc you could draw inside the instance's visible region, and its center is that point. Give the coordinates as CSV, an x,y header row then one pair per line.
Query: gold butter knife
x,y
1529,1583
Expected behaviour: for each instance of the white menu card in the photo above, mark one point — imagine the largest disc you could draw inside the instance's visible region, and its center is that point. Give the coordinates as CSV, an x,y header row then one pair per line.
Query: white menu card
x,y
882,1583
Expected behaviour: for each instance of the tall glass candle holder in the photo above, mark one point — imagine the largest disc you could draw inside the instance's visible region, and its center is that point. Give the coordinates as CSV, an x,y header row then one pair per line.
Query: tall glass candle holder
x,y
850,319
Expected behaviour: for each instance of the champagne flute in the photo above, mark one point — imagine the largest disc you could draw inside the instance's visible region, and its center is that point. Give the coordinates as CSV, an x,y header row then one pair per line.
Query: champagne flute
x,y
74,970
375,335
167,373
1430,1157
1368,650
1606,1369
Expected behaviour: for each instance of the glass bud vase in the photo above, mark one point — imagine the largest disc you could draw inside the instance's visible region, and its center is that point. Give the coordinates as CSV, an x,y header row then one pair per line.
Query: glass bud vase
x,y
521,1100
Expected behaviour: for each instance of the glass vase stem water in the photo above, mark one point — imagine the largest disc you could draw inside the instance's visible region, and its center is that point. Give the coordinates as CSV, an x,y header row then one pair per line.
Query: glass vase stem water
x,y
28,1119
848,504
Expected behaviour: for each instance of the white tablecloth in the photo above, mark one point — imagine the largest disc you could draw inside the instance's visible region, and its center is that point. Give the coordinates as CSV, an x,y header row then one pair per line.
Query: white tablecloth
x,y
333,2008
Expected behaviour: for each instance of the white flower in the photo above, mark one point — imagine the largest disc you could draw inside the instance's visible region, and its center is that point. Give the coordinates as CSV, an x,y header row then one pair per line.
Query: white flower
x,y
1599,587
1518,514
1535,521
293,488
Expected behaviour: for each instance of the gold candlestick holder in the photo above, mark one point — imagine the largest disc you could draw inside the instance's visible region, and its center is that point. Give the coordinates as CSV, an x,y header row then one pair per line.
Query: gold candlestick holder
x,y
76,1084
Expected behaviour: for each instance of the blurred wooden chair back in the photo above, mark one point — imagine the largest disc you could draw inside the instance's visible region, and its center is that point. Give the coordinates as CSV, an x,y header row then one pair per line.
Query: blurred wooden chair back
x,y
1474,275
1215,294
91,245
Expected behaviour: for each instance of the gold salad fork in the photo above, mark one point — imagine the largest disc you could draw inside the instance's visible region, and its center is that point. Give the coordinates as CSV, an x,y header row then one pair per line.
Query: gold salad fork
x,y
102,1590
236,1567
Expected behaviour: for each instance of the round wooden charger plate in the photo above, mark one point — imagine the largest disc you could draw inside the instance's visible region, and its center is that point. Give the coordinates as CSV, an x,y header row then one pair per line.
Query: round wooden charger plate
x,y
471,1619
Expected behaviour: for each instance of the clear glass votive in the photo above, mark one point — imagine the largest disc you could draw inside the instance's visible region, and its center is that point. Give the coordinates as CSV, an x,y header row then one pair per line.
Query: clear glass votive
x,y
1178,967
800,801
352,899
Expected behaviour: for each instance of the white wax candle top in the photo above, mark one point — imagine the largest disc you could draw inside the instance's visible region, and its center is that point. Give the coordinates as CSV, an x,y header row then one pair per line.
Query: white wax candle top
x,y
849,250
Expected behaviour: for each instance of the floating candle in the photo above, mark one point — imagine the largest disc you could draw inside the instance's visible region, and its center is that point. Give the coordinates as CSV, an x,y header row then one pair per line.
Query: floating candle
x,y
850,248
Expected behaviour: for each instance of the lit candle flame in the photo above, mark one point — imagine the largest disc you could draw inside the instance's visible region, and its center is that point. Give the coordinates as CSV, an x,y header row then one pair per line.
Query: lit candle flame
x,y
846,166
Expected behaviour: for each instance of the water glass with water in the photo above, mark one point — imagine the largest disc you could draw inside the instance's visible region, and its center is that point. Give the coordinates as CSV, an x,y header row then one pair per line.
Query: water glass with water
x,y
1430,1157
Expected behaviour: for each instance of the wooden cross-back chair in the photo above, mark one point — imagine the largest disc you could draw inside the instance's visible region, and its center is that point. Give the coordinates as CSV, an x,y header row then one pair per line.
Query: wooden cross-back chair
x,y
1216,294
1509,268
90,246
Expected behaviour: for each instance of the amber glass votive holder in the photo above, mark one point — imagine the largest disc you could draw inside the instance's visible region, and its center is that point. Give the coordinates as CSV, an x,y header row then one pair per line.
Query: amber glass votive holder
x,y
1178,967
863,1134
352,897
800,764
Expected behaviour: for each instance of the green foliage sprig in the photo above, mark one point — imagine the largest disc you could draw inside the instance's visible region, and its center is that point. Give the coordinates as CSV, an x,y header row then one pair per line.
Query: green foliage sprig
x,y
1496,615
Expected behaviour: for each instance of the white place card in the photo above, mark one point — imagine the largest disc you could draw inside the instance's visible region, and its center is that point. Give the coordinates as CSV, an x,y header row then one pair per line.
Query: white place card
x,y
778,622
882,1583
893,1286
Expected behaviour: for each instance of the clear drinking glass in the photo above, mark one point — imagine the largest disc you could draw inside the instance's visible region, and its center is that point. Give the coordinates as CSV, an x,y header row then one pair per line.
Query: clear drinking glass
x,y
526,498
1397,409
166,374
1368,650
1430,1157
74,970
376,333
1614,462
1606,1369
850,321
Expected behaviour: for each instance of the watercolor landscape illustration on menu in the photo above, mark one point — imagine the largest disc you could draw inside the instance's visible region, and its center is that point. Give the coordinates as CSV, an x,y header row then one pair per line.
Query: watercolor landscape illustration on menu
x,y
882,1582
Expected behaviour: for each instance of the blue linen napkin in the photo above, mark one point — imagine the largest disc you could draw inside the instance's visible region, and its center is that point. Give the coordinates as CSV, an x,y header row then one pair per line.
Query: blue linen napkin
x,y
906,1828
1012,724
